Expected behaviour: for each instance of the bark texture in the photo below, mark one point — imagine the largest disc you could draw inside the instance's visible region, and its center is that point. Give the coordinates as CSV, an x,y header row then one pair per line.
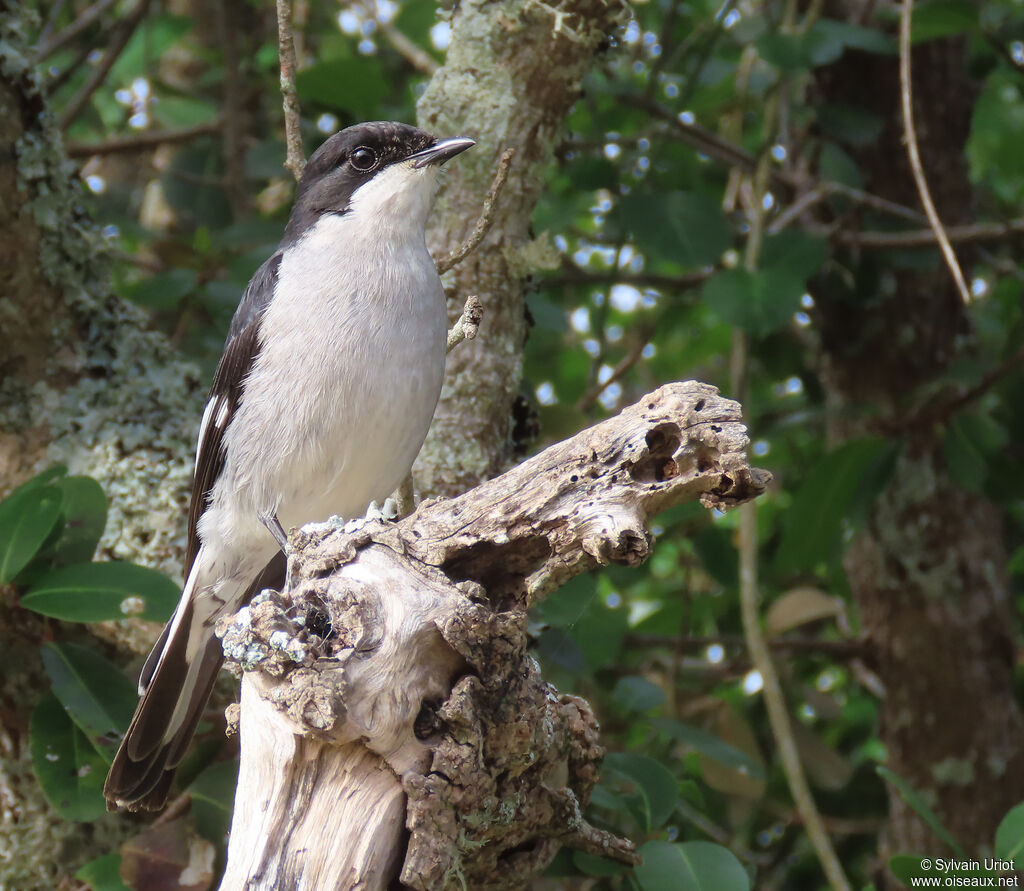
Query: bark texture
x,y
929,573
389,691
511,75
83,384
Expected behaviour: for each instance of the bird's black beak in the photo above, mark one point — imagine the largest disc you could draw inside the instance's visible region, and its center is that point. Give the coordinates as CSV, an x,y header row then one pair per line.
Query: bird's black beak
x,y
441,151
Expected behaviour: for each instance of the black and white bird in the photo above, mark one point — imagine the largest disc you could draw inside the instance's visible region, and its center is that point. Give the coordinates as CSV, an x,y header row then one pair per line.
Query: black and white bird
x,y
328,383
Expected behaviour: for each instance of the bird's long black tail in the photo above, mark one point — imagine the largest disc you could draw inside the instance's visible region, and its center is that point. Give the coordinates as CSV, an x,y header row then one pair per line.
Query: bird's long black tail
x,y
176,683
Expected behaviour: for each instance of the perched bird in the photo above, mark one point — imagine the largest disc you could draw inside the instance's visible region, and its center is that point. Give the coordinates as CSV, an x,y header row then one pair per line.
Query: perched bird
x,y
328,383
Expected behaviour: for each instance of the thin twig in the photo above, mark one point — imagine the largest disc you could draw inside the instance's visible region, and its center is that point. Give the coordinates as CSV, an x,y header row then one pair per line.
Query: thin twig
x,y
760,656
968,233
483,224
570,274
295,162
846,649
910,137
51,23
416,56
727,152
89,15
118,41
775,703
468,323
147,139
587,400
56,81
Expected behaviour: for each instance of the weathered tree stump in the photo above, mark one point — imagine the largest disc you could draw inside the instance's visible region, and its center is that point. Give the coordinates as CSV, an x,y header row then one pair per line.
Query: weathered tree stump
x,y
393,723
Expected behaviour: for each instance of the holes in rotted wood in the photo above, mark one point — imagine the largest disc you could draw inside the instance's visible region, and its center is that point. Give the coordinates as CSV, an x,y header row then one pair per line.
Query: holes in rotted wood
x,y
658,464
318,622
700,405
428,722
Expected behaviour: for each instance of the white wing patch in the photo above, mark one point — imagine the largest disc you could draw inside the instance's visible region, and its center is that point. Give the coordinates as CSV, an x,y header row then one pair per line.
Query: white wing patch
x,y
218,405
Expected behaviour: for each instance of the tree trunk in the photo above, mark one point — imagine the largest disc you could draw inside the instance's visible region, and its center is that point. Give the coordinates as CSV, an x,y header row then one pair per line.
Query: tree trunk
x,y
511,74
390,686
83,385
928,574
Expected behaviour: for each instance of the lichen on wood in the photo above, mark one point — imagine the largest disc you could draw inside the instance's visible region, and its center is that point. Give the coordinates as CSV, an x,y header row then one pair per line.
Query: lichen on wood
x,y
389,692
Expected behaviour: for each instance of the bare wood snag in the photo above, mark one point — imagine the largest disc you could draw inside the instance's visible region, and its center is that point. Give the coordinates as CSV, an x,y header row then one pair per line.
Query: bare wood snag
x,y
393,722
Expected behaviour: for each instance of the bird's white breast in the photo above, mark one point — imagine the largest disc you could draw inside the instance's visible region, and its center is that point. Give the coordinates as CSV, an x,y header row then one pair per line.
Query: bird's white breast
x,y
344,387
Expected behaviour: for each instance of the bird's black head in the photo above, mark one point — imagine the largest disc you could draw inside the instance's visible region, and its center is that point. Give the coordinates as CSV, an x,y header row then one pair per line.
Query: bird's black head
x,y
357,155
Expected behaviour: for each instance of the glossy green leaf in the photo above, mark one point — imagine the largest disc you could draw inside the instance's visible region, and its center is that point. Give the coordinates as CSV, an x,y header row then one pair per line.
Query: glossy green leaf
x,y
680,227
870,40
151,40
213,796
592,865
717,554
907,867
356,85
96,694
814,520
917,804
759,302
27,517
943,18
103,874
637,694
84,509
69,770
1010,835
657,783
97,592
710,745
164,290
690,866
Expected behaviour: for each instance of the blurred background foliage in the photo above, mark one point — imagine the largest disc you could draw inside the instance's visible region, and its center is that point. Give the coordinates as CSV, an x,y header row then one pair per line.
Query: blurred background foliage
x,y
702,126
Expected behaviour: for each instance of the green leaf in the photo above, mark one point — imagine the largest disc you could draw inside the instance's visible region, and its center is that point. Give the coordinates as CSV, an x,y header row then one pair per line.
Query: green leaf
x,y
907,867
858,469
657,783
717,554
164,290
710,745
150,41
103,874
98,592
943,18
920,807
85,516
95,693
69,770
592,865
1010,835
759,302
567,605
972,439
680,227
870,40
800,254
637,694
213,796
690,866
27,517
354,85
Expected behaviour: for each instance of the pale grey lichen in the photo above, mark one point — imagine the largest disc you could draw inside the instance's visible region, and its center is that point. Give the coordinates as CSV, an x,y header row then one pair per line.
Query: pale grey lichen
x,y
125,413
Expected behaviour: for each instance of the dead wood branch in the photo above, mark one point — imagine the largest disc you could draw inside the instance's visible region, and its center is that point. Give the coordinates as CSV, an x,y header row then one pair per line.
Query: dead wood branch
x,y
390,694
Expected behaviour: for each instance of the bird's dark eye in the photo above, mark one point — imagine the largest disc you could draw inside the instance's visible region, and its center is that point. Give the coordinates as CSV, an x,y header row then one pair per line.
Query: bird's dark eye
x,y
363,158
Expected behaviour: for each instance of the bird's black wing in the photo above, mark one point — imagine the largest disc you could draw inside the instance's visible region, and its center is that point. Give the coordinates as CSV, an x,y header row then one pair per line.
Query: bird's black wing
x,y
239,353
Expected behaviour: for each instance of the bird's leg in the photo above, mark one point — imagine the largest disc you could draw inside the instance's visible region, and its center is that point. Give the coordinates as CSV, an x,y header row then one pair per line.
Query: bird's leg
x,y
275,528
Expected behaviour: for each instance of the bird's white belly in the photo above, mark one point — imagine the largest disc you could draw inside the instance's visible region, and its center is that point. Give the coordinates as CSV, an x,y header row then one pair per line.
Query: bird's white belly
x,y
340,397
